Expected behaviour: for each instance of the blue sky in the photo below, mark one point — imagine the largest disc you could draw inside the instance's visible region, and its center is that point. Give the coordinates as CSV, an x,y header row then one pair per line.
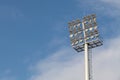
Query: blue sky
x,y
34,37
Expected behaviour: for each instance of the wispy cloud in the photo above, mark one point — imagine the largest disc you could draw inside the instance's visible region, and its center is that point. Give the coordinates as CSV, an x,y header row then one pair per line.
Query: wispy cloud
x,y
115,3
101,7
113,7
66,65
57,65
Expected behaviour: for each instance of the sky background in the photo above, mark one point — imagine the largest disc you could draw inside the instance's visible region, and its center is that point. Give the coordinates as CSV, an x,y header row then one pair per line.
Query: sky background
x,y
35,45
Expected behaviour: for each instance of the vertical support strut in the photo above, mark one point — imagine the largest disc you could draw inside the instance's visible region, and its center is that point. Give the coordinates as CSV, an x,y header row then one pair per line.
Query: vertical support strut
x,y
90,63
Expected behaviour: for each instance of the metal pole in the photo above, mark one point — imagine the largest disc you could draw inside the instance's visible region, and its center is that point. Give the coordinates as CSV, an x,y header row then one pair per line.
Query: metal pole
x,y
87,66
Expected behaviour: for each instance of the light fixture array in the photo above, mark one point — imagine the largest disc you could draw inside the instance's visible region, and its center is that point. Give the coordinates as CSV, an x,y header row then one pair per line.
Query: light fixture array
x,y
84,31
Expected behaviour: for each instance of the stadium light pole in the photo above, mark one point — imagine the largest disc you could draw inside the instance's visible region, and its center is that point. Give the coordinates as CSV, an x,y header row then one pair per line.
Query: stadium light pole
x,y
84,36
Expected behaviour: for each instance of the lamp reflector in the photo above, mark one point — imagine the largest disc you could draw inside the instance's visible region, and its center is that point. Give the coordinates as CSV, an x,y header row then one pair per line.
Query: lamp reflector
x,y
71,35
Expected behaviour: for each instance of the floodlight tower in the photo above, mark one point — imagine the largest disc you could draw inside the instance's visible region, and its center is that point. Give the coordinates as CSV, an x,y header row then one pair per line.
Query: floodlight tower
x,y
84,36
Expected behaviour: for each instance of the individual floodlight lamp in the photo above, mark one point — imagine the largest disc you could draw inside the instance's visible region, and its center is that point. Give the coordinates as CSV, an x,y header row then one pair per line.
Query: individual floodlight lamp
x,y
84,35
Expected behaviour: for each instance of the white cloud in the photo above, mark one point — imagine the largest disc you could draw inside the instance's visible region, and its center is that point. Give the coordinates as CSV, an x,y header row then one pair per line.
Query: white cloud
x,y
66,65
57,66
106,63
115,3
111,7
